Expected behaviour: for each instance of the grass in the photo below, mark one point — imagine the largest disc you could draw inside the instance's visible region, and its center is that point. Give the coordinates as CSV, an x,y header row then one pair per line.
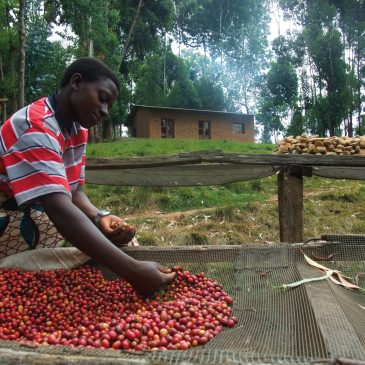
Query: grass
x,y
136,200
229,214
134,147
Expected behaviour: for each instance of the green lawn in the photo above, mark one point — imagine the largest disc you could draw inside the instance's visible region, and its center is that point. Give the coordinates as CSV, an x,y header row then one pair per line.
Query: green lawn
x,y
132,147
135,200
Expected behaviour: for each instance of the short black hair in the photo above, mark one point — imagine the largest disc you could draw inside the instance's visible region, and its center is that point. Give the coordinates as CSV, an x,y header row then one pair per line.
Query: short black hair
x,y
90,69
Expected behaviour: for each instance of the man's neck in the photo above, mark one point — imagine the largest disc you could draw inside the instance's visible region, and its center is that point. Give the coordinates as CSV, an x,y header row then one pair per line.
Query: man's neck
x,y
63,111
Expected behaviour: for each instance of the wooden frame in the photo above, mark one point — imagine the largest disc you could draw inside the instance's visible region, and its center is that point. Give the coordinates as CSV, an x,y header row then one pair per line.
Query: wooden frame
x,y
217,168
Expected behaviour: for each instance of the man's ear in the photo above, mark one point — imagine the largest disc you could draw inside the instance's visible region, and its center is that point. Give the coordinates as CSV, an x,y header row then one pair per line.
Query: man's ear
x,y
75,81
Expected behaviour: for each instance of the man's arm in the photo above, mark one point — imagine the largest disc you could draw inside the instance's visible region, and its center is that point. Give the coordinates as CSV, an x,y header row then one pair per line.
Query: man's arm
x,y
80,199
77,228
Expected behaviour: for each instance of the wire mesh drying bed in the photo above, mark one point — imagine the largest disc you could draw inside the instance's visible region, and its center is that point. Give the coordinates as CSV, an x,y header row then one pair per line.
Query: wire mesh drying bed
x,y
317,322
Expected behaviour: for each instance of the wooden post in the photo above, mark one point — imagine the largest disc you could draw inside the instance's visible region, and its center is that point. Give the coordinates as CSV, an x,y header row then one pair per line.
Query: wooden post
x,y
290,202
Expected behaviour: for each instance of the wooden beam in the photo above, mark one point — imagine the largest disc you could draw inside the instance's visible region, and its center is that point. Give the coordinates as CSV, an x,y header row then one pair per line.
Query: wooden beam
x,y
290,204
340,172
177,175
285,160
19,357
218,157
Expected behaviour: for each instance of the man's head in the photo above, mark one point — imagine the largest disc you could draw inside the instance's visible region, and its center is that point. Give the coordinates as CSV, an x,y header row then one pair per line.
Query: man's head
x,y
90,69
92,89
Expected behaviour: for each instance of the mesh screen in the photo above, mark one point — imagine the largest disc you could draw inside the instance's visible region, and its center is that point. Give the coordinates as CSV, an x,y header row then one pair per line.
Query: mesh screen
x,y
314,323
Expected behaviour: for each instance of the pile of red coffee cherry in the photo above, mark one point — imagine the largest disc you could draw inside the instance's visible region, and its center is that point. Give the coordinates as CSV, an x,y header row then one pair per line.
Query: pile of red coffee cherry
x,y
79,308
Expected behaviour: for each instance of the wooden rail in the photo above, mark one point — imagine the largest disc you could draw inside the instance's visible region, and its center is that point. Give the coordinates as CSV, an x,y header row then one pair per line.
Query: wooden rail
x,y
218,168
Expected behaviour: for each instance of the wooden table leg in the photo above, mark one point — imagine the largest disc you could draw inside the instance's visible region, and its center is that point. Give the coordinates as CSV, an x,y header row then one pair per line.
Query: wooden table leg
x,y
290,202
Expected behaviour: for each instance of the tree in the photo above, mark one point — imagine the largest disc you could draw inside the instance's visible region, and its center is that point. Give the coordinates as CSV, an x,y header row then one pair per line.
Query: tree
x,y
277,98
332,85
96,25
9,40
141,27
280,92
267,116
21,17
233,33
165,79
210,94
282,83
45,61
352,23
149,80
326,51
207,80
296,126
171,88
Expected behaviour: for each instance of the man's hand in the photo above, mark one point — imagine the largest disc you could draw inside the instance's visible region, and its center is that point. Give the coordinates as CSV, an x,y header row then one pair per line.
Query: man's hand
x,y
151,277
116,229
111,226
146,277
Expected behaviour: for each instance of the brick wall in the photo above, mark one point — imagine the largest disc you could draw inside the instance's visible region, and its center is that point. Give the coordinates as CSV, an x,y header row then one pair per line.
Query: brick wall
x,y
148,124
141,124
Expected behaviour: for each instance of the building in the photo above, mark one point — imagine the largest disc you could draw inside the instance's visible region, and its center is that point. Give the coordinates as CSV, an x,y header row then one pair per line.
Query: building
x,y
162,122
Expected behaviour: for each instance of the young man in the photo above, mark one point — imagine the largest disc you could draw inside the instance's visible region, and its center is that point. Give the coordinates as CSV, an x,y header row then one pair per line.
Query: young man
x,y
42,160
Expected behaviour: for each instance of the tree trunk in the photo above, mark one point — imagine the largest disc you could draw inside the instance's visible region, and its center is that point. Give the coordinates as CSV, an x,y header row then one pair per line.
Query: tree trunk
x,y
12,53
93,131
177,11
90,43
3,105
358,77
21,54
330,91
1,69
126,44
14,94
220,33
164,67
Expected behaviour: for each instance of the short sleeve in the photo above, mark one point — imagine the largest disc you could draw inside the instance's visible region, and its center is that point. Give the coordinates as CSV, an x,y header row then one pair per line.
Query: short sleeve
x,y
34,165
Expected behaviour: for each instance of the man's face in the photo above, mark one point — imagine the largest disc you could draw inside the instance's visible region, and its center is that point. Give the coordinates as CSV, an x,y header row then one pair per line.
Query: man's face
x,y
91,101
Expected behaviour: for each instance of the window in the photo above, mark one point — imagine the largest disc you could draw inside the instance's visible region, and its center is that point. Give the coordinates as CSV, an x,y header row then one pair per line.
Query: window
x,y
167,128
204,129
239,128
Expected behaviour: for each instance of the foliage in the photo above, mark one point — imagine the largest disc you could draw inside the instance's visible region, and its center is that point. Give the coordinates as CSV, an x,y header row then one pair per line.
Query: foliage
x,y
155,20
277,97
296,126
208,54
149,80
164,79
211,94
9,44
45,60
282,83
332,93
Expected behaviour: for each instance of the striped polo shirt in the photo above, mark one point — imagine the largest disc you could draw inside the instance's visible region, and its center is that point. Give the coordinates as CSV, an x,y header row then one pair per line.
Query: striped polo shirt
x,y
37,156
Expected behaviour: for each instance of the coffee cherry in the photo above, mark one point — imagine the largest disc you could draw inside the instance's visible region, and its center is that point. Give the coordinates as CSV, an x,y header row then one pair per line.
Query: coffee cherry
x,y
79,308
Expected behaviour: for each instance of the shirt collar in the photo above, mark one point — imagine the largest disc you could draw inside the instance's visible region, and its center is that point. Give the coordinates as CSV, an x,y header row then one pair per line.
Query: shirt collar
x,y
75,126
